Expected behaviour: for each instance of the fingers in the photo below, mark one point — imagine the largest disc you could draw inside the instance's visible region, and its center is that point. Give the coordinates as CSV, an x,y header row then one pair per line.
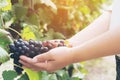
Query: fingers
x,y
27,59
33,66
43,66
38,63
43,57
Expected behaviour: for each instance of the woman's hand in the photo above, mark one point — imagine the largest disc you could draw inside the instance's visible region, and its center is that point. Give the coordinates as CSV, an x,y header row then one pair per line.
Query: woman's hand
x,y
50,61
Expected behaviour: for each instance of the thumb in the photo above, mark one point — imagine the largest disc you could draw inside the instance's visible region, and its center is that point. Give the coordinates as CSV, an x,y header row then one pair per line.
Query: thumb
x,y
43,57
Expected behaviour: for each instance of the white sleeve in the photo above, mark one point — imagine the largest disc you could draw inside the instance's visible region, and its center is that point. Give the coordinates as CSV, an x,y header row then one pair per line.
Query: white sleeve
x,y
115,17
110,8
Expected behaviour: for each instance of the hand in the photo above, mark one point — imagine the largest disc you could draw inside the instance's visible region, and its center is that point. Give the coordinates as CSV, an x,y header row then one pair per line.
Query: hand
x,y
53,60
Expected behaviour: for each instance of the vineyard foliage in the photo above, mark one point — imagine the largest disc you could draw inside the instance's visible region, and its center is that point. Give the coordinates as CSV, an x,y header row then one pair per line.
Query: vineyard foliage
x,y
45,20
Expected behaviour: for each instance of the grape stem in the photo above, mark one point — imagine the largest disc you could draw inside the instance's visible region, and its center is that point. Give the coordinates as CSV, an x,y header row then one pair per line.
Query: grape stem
x,y
16,65
15,31
3,24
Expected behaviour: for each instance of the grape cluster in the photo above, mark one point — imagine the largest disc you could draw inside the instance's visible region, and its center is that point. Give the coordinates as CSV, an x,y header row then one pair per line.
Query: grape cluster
x,y
30,49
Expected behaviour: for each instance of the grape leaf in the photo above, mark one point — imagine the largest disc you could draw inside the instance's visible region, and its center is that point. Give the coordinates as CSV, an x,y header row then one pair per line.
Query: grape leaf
x,y
20,11
63,75
33,75
5,39
9,75
24,77
3,55
52,77
33,19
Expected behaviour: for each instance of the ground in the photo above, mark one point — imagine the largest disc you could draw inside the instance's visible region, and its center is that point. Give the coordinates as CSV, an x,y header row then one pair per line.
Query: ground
x,y
101,69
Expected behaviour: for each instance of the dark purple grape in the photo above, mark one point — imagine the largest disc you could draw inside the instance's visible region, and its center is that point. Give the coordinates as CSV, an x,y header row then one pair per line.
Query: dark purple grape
x,y
19,49
12,56
22,44
17,63
12,48
38,44
31,41
37,49
17,53
32,47
18,69
22,52
27,54
44,49
17,44
32,54
27,49
24,47
26,43
20,40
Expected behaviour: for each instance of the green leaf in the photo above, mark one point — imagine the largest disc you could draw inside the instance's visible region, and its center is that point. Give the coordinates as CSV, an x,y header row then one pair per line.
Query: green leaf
x,y
5,39
20,11
3,55
9,75
44,76
33,19
52,77
7,16
33,75
62,75
44,15
24,77
75,78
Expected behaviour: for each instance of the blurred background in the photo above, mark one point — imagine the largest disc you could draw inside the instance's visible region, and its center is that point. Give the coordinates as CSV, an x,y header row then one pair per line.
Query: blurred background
x,y
57,19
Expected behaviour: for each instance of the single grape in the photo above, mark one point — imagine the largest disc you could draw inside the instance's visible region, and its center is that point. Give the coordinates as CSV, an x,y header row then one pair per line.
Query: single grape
x,y
44,49
17,63
17,44
20,40
12,56
22,52
19,49
37,49
26,43
22,44
32,47
32,54
31,41
12,48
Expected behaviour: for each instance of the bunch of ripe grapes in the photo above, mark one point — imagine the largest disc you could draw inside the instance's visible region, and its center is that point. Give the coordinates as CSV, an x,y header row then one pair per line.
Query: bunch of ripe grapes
x,y
30,49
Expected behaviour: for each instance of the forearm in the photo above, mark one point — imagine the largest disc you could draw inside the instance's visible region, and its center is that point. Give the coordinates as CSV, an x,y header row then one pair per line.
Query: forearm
x,y
99,26
103,45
